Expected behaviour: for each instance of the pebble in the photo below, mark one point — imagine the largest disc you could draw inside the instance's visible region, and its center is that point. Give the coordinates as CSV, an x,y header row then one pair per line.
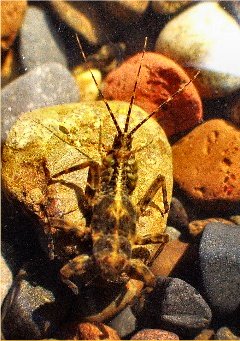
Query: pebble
x,y
177,258
88,331
169,7
124,323
225,333
6,278
206,38
85,18
205,334
220,263
176,305
174,234
47,85
177,215
126,11
12,15
235,219
36,303
154,334
86,84
209,174
160,77
196,227
38,29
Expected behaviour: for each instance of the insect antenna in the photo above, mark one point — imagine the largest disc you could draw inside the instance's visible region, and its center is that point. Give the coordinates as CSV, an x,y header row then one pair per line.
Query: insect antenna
x,y
134,89
169,99
99,90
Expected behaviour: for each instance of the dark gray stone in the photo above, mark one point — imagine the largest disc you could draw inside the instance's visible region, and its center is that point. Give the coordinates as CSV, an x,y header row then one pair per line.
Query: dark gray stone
x,y
40,42
46,85
176,306
36,305
177,215
220,265
124,323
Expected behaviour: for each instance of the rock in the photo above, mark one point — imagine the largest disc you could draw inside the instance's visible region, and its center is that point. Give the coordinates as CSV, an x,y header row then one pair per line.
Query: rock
x,y
196,38
176,258
12,15
53,139
36,303
160,77
177,215
124,323
86,84
235,219
205,334
88,331
233,7
169,7
176,305
209,174
49,84
85,18
6,278
196,227
225,333
38,29
174,234
219,260
126,11
154,334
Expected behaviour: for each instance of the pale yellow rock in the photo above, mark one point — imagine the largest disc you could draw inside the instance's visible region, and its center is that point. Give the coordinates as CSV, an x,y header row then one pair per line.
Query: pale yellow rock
x,y
85,82
206,38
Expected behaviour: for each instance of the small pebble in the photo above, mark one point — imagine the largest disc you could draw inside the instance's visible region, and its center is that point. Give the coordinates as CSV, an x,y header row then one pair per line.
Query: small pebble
x,y
225,333
124,323
37,29
36,303
174,234
205,334
177,215
126,11
154,334
88,331
12,15
235,219
206,38
209,174
169,7
86,84
220,265
159,78
196,227
47,85
176,305
85,18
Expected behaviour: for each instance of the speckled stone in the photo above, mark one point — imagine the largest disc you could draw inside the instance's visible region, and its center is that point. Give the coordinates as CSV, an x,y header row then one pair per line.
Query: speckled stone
x,y
12,15
225,333
87,19
159,78
209,173
39,40
124,323
206,38
37,303
220,263
154,334
48,84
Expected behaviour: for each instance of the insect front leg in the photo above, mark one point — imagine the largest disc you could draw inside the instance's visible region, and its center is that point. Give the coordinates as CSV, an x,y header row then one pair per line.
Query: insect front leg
x,y
75,267
140,271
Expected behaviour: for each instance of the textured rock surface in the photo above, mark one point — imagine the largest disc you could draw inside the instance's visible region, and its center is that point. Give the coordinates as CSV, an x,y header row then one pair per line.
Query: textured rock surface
x,y
49,84
206,38
210,171
220,264
160,77
154,334
124,323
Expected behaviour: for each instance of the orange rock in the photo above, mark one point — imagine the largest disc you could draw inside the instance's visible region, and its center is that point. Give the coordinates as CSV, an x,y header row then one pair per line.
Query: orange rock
x,y
206,164
159,78
89,331
154,334
12,14
196,227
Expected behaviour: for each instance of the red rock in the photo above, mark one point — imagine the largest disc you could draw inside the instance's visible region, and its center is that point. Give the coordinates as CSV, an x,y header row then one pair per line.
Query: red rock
x,y
154,334
159,78
206,164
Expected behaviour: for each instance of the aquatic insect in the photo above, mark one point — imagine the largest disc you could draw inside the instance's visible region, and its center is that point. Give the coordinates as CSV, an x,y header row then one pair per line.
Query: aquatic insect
x,y
118,252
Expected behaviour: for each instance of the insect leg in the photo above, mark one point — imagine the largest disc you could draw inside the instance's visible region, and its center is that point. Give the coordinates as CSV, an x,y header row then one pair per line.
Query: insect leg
x,y
158,183
75,267
139,270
